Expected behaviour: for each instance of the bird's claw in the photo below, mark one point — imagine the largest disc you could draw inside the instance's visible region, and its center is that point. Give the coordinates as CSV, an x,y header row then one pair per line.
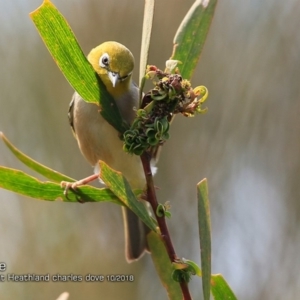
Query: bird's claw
x,y
74,185
70,185
67,185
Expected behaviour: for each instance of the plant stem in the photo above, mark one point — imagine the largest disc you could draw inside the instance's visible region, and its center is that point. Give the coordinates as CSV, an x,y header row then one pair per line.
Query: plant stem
x,y
151,197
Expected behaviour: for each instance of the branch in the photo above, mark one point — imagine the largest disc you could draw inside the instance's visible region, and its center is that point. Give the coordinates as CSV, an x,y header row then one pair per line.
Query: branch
x,y
151,198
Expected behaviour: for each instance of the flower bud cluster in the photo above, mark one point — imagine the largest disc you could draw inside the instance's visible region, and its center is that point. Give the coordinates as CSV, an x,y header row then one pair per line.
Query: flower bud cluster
x,y
171,95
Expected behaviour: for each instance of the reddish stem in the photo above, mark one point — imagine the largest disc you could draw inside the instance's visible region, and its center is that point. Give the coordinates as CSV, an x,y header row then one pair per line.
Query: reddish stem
x,y
151,197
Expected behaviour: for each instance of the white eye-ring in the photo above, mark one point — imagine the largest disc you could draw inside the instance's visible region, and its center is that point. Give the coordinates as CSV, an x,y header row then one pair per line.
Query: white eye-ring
x,y
104,60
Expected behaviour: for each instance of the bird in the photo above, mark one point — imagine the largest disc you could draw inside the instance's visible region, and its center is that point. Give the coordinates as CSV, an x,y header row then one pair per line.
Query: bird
x,y
98,140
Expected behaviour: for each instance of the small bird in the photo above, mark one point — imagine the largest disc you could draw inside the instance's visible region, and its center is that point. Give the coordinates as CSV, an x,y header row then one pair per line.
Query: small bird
x,y
98,140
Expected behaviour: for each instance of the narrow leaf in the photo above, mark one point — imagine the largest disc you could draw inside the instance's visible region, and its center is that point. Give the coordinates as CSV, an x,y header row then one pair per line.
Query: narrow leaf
x,y
191,35
26,185
205,236
111,114
34,165
220,288
118,184
66,52
63,46
146,36
163,266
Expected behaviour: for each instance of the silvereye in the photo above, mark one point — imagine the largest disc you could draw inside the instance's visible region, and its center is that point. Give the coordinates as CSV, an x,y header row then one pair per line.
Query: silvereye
x,y
98,140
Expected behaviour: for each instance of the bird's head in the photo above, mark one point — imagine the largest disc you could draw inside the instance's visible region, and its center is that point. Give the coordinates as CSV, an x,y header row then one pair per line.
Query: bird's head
x,y
114,63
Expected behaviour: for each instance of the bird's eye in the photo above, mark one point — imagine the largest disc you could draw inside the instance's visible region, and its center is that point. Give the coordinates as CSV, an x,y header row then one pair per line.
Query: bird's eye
x,y
104,60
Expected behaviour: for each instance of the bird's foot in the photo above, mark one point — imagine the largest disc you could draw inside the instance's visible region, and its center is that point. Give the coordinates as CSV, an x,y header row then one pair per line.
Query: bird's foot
x,y
70,185
74,185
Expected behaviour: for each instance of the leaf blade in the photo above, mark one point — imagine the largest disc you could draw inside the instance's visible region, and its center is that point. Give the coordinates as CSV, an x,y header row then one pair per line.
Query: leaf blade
x,y
34,165
66,52
118,184
146,36
191,35
163,266
145,45
220,288
21,183
204,235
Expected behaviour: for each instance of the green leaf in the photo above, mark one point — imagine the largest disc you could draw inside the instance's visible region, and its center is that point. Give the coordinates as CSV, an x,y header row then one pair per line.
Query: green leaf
x,y
63,46
205,236
220,288
26,185
66,52
193,267
146,36
163,266
118,184
191,35
111,114
34,165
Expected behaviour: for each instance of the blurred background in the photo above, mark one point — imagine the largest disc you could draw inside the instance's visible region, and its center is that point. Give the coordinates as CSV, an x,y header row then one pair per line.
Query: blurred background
x,y
247,146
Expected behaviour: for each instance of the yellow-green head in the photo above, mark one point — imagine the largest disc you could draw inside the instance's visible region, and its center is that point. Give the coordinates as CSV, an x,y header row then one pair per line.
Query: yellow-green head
x,y
114,63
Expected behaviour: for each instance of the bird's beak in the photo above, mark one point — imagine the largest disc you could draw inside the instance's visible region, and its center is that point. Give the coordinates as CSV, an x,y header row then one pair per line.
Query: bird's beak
x,y
114,77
